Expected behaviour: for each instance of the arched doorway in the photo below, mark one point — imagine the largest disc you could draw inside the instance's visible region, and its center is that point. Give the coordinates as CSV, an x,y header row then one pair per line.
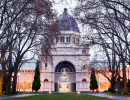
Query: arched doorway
x,y
66,70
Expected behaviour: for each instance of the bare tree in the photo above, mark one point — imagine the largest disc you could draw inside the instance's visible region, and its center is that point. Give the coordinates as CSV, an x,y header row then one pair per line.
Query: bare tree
x,y
32,29
111,26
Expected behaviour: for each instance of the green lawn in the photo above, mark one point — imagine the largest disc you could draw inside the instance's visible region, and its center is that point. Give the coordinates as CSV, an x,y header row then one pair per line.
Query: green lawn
x,y
60,96
109,93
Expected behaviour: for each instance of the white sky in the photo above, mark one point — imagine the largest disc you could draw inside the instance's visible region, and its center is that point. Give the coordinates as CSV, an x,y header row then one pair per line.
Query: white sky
x,y
61,4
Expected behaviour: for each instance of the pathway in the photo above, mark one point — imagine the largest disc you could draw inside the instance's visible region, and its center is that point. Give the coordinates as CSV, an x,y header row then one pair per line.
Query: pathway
x,y
109,96
15,96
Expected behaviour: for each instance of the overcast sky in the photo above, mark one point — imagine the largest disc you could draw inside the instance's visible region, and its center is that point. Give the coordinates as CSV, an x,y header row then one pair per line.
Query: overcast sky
x,y
61,4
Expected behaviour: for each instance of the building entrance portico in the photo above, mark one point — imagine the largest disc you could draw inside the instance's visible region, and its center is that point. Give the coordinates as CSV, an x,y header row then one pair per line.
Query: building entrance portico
x,y
65,72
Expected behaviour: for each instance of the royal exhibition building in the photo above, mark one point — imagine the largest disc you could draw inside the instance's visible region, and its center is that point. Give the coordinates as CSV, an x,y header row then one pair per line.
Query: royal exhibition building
x,y
69,69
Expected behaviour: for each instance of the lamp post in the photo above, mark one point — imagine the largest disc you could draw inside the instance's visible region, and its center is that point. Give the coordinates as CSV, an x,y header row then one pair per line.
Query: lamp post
x,y
18,82
128,65
78,92
110,73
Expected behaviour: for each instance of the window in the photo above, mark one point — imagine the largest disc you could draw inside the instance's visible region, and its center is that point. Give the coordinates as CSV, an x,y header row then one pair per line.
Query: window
x,y
29,71
21,71
46,80
73,40
62,39
27,85
20,85
68,39
84,83
84,80
102,85
83,51
45,64
77,40
46,83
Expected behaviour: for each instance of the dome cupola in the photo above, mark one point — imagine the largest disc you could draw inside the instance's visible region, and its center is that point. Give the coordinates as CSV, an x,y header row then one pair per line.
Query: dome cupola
x,y
66,22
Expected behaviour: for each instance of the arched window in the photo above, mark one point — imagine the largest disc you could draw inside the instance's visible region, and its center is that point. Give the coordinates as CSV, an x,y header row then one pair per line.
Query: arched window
x,y
69,67
84,80
46,80
46,83
84,83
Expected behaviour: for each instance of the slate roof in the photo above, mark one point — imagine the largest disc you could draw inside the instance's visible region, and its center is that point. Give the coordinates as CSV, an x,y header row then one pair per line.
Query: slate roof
x,y
66,22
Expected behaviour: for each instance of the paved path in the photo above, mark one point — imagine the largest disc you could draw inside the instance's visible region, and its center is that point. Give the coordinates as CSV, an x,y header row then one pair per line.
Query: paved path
x,y
109,96
15,96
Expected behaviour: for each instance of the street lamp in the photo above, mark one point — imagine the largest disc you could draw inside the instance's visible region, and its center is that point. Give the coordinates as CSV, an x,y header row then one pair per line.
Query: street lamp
x,y
110,73
49,92
128,65
18,74
18,82
78,92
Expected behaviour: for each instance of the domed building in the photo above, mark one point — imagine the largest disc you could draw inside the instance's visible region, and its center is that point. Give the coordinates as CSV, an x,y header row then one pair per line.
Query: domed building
x,y
68,70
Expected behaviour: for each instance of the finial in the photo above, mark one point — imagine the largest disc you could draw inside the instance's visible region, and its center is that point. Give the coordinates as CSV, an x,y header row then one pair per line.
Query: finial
x,y
65,10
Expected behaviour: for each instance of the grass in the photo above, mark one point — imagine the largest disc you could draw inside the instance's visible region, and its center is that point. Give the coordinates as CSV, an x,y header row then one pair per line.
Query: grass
x,y
60,96
109,93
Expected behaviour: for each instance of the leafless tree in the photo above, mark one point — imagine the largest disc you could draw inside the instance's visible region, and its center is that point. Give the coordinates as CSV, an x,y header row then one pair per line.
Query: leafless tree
x,y
31,29
110,24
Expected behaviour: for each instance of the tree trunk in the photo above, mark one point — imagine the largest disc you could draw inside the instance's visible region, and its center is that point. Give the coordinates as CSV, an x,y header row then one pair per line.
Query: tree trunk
x,y
1,82
8,87
14,83
113,86
124,78
118,86
113,83
2,70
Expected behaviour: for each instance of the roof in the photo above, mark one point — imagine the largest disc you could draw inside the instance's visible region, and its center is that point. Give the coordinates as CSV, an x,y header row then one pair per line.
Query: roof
x,y
66,22
28,65
31,64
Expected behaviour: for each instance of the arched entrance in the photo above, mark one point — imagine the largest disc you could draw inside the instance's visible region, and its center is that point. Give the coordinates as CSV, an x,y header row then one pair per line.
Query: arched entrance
x,y
65,77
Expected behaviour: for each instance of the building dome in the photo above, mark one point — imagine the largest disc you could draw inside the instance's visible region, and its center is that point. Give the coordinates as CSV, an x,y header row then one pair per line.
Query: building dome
x,y
66,22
